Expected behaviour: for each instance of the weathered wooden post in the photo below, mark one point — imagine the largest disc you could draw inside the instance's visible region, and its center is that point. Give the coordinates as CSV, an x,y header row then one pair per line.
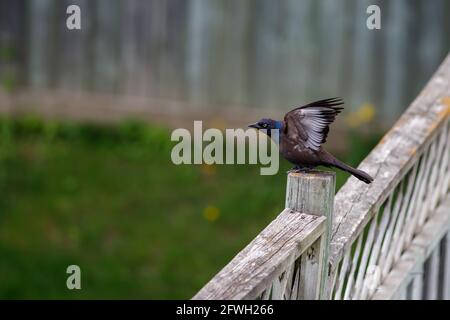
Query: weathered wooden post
x,y
313,193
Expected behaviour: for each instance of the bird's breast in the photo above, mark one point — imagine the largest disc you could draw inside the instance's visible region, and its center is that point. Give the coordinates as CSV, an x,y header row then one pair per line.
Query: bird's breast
x,y
297,153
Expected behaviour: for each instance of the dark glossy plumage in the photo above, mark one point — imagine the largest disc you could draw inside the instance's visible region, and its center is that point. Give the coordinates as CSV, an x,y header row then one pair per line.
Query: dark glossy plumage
x,y
302,133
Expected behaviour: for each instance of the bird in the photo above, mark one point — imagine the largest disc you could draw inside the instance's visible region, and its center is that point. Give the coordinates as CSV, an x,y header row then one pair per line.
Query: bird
x,y
302,133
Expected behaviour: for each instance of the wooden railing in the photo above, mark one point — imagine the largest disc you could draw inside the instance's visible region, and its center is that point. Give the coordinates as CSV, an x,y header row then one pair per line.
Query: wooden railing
x,y
386,240
285,261
398,226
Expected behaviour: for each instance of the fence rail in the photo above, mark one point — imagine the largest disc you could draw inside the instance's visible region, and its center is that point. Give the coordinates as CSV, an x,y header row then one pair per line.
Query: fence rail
x,y
285,261
267,262
386,240
380,221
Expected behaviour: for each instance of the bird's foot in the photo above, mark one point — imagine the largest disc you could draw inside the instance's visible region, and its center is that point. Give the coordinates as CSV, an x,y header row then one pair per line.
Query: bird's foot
x,y
299,169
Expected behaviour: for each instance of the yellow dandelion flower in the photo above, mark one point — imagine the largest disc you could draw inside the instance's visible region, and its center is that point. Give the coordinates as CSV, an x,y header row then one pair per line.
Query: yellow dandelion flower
x,y
211,213
367,112
362,116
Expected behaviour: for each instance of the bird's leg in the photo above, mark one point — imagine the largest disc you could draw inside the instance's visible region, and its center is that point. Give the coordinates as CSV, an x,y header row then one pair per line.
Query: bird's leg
x,y
298,169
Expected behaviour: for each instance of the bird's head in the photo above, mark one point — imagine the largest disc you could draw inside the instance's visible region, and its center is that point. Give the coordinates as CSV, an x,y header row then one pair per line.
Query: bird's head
x,y
266,124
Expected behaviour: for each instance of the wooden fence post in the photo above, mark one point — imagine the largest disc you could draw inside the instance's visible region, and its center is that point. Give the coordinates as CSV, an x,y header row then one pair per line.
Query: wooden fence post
x,y
313,193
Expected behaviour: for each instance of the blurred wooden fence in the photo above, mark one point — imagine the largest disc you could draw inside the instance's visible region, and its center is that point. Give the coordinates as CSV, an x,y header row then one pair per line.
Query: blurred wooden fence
x,y
253,53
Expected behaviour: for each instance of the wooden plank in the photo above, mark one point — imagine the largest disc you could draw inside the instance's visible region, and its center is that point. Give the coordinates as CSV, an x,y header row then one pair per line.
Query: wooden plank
x,y
413,78
445,166
368,243
371,282
330,285
197,54
279,284
362,79
135,71
106,73
417,284
296,44
402,294
425,210
441,165
396,244
41,45
430,48
342,274
418,197
265,258
446,268
294,291
332,16
171,46
396,153
405,215
396,52
388,257
313,193
13,43
351,276
312,268
431,272
73,69
412,260
348,41
401,275
387,243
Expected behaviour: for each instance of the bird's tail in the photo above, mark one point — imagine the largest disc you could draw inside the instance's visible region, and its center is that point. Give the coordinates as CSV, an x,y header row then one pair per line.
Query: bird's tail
x,y
359,174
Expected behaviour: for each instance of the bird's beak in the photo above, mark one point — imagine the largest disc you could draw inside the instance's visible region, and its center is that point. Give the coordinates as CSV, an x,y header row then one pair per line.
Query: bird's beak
x,y
254,125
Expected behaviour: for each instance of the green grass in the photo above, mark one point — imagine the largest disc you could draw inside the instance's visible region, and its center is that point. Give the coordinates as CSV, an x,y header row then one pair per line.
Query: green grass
x,y
109,200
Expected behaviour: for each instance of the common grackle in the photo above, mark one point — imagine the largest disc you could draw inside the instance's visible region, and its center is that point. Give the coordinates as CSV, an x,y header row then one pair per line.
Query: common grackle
x,y
302,133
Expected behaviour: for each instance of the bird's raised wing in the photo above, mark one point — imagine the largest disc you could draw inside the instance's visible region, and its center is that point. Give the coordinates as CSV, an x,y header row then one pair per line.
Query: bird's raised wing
x,y
309,124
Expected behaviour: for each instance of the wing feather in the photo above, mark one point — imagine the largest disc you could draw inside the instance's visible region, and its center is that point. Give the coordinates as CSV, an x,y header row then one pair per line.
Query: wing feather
x,y
309,124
